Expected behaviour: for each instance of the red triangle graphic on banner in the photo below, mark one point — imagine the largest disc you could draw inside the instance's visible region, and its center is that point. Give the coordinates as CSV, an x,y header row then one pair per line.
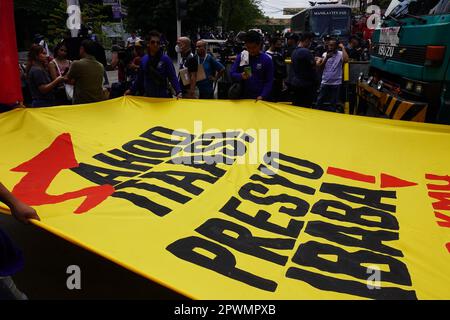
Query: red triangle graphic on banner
x,y
388,181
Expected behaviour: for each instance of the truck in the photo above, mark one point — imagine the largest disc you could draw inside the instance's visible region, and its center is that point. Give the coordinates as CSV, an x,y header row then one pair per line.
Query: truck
x,y
324,19
409,74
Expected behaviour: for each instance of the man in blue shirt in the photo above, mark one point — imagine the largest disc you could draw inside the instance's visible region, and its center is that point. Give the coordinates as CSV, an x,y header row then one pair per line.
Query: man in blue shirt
x,y
254,68
155,70
214,70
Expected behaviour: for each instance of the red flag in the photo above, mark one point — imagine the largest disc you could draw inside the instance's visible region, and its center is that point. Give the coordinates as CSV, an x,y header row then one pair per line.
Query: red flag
x,y
10,87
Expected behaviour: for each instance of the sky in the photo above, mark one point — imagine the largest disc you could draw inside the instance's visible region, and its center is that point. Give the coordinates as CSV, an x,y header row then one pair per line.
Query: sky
x,y
274,8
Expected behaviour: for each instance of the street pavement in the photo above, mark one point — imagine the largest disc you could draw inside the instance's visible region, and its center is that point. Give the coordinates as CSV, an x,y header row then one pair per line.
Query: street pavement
x,y
47,258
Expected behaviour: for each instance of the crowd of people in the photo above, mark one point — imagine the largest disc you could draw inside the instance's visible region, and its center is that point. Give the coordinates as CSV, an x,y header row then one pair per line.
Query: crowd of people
x,y
250,64
75,74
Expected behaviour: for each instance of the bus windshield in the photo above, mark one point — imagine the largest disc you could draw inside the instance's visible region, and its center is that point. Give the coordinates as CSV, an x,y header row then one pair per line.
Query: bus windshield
x,y
334,22
401,8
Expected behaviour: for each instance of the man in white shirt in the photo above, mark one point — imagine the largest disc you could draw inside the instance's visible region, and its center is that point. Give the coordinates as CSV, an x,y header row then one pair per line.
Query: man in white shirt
x,y
131,41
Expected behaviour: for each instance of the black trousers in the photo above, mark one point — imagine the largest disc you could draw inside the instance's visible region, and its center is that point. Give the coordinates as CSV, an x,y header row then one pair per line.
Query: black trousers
x,y
304,96
277,89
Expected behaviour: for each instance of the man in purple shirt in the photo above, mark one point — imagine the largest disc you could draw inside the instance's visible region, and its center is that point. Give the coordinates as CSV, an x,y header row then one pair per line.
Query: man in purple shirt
x,y
332,63
254,69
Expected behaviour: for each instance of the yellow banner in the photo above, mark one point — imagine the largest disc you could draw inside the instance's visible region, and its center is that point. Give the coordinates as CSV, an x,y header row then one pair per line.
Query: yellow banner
x,y
241,200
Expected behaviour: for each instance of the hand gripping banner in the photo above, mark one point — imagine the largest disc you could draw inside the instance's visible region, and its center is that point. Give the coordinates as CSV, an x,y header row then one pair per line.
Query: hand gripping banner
x,y
241,200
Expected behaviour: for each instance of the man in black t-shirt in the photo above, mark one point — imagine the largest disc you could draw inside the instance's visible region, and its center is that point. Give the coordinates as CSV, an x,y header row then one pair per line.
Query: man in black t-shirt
x,y
354,49
305,77
190,62
279,67
292,42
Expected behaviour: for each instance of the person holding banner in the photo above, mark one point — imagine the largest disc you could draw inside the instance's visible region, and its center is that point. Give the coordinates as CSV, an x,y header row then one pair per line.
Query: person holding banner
x,y
254,69
155,71
11,259
42,87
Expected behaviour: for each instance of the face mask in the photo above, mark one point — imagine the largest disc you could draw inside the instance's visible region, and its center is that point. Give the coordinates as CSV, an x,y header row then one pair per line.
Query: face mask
x,y
177,49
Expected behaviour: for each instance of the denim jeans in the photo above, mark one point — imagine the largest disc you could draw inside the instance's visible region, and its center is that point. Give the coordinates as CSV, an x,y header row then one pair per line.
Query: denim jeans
x,y
328,97
9,291
304,96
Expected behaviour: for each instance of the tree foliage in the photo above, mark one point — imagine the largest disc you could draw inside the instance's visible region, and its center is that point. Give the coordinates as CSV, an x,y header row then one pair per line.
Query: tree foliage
x,y
240,14
161,15
48,17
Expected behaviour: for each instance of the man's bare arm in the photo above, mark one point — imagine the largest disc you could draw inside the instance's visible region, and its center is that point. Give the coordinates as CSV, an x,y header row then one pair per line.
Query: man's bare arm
x,y
21,211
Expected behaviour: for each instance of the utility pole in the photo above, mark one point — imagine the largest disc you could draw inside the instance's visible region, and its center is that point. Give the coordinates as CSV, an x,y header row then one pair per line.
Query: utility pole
x,y
221,16
74,20
178,27
182,12
122,31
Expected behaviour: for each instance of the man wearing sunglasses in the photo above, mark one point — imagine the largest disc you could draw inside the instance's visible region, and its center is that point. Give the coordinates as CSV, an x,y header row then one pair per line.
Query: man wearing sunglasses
x,y
155,71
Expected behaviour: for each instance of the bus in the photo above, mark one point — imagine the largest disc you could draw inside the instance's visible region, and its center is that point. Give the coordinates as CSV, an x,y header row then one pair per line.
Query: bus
x,y
324,19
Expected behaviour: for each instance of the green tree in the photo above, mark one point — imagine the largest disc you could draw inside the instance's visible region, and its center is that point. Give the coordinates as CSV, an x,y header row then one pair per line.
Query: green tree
x,y
48,17
240,14
161,15
93,15
28,17
56,23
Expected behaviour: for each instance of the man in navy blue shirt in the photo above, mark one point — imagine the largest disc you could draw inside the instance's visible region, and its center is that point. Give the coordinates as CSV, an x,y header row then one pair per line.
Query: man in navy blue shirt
x,y
155,70
11,259
254,68
304,76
